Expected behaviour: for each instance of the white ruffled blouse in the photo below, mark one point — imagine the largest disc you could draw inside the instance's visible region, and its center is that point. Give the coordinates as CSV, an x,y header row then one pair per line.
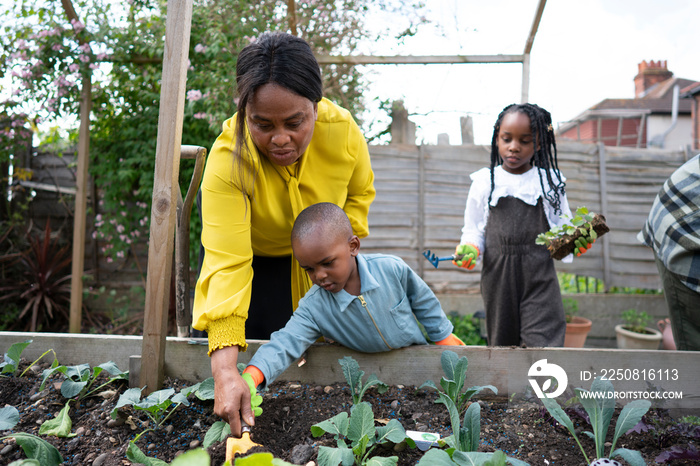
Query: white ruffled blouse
x,y
525,187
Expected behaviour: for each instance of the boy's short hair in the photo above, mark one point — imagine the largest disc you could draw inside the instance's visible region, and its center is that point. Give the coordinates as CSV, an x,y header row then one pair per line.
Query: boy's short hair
x,y
326,215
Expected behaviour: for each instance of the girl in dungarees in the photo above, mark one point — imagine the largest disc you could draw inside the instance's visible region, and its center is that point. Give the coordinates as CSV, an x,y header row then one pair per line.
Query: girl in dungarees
x,y
518,197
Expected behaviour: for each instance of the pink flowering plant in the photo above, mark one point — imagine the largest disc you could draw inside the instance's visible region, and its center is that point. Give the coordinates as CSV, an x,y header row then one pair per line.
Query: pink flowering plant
x,y
118,47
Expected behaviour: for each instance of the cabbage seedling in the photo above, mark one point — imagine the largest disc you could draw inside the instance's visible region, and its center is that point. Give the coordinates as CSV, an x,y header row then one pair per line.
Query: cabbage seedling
x,y
455,369
79,380
11,359
357,437
353,375
600,408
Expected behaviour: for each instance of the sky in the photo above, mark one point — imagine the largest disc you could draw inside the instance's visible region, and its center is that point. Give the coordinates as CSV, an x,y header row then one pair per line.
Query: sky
x,y
584,51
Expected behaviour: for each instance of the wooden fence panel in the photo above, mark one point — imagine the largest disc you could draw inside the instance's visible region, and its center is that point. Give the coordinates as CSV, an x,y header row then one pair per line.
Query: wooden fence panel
x,y
421,193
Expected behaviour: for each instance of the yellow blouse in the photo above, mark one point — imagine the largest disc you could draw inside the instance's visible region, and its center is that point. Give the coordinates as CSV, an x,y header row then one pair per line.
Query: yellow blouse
x,y
335,168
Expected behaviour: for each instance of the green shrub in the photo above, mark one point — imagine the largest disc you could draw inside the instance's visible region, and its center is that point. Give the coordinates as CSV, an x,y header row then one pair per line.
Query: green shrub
x,y
466,329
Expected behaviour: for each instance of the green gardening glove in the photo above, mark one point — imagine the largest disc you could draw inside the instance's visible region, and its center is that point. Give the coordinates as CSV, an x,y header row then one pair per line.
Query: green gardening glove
x,y
583,244
255,399
467,253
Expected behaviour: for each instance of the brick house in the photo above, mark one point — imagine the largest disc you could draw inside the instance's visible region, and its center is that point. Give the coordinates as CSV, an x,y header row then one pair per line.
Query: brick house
x,y
693,92
645,121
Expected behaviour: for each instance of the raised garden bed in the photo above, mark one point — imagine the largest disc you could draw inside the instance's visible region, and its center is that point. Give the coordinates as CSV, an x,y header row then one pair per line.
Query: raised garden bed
x,y
514,421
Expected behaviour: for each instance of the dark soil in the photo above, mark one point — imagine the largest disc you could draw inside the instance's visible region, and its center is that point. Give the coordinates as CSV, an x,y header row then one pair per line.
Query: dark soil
x,y
522,429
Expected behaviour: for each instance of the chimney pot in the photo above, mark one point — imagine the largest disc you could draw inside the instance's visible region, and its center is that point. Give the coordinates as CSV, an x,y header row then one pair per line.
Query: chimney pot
x,y
649,74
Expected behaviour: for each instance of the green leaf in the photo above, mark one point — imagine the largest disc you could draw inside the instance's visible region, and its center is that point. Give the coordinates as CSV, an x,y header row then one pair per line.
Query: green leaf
x,y
328,456
472,421
12,356
60,426
113,370
454,415
392,432
630,415
49,372
600,411
261,459
382,461
372,380
25,462
196,457
179,398
205,390
471,391
562,418
38,449
429,384
361,422
337,425
77,373
129,397
632,457
135,455
486,459
9,417
353,375
159,398
216,433
359,447
70,389
191,389
435,457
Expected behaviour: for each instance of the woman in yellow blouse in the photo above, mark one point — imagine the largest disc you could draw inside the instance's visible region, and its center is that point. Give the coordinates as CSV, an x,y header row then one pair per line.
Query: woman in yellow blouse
x,y
286,148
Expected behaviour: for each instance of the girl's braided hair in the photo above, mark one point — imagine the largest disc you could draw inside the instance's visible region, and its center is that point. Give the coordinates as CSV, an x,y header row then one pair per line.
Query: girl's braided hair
x,y
545,157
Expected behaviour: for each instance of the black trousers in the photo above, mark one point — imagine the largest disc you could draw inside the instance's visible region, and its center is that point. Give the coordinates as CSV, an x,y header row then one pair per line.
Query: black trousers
x,y
271,300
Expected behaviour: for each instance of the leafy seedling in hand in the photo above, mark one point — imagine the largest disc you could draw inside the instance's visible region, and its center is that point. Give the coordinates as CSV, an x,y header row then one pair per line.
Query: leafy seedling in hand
x,y
353,375
357,437
600,408
576,236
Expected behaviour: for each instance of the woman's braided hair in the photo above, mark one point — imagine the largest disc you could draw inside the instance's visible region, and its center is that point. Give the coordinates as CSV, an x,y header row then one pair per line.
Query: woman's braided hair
x,y
545,157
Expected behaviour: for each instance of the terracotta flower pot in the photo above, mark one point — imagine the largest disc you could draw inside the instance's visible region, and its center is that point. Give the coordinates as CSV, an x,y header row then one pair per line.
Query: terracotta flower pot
x,y
576,332
627,339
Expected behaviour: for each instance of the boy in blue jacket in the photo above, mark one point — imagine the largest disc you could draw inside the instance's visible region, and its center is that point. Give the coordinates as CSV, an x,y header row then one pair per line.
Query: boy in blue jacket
x,y
368,303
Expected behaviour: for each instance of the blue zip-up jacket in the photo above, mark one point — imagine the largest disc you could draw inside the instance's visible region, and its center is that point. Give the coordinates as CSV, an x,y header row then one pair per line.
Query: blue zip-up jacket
x,y
381,318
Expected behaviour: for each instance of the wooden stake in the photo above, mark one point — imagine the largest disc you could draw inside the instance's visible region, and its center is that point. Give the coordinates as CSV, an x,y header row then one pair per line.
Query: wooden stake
x,y
163,209
79,221
81,185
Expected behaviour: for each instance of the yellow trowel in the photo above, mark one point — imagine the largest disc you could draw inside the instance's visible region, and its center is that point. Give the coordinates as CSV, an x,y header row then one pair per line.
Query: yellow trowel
x,y
240,445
